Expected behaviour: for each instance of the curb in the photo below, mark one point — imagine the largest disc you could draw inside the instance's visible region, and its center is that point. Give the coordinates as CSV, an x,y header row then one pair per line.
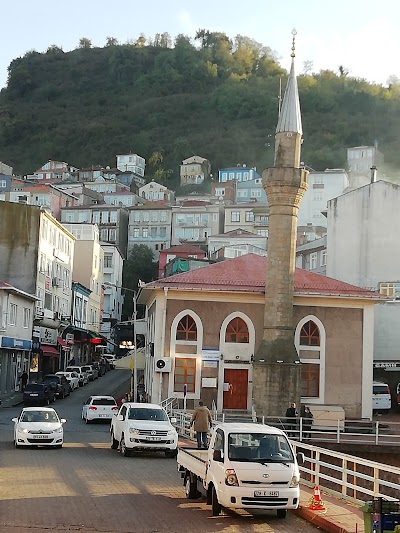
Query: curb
x,y
319,520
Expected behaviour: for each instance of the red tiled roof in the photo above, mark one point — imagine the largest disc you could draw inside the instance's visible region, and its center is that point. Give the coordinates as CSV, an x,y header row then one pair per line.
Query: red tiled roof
x,y
247,274
184,249
195,203
4,285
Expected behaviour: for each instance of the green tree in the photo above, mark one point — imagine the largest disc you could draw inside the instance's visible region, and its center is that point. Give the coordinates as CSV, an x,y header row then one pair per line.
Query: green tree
x,y
111,41
84,42
139,266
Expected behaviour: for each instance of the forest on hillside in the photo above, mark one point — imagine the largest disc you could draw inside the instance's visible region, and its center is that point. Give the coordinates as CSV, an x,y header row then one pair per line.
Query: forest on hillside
x,y
210,96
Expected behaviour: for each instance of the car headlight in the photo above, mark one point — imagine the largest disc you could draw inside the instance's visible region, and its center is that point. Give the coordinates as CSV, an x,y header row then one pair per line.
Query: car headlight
x,y
231,478
23,430
294,481
171,433
58,430
134,431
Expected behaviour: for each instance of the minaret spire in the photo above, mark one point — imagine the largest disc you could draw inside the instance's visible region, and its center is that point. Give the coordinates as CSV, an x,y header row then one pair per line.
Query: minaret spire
x,y
276,374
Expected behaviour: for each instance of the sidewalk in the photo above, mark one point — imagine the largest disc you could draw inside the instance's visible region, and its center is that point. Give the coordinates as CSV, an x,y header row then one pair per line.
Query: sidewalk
x,y
11,399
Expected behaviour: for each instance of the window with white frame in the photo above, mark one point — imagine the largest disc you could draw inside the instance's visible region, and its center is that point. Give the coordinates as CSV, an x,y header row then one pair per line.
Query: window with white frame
x,y
224,176
146,216
136,233
323,258
391,289
249,216
242,194
12,314
145,232
112,235
107,260
231,175
163,216
113,217
255,193
235,216
310,345
136,216
313,261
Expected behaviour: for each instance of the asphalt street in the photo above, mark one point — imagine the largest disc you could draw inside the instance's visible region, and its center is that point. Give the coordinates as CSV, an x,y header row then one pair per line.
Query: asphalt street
x,y
88,487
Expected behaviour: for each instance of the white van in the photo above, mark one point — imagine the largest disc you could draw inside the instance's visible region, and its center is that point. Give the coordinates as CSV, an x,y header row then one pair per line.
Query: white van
x,y
381,397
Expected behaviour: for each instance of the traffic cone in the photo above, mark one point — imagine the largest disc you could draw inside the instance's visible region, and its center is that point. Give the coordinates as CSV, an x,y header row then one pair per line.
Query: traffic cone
x,y
316,503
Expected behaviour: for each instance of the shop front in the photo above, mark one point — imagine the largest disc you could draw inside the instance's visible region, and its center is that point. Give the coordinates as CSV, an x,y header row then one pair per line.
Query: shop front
x,y
14,359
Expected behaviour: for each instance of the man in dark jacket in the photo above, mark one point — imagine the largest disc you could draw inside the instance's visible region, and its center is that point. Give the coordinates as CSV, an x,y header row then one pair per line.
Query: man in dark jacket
x,y
291,420
201,420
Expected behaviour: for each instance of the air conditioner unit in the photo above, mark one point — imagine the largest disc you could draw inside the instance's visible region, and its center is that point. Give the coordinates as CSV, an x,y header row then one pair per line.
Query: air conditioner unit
x,y
163,364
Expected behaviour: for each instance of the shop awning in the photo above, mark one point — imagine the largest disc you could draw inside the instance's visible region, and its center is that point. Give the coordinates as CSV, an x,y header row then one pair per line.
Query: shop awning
x,y
49,351
62,342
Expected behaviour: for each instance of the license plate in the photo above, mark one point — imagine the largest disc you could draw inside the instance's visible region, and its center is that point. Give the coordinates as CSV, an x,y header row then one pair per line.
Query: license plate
x,y
103,416
153,438
34,394
40,436
266,493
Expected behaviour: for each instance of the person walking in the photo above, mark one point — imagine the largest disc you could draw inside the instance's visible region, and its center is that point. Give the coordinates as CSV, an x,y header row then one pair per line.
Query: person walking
x,y
201,420
24,380
291,420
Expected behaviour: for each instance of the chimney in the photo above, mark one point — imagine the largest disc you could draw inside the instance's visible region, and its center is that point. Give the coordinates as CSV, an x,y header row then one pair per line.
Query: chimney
x,y
373,174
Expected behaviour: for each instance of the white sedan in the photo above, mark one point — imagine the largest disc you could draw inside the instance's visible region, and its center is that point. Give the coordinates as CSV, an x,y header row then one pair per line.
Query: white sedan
x,y
38,426
72,378
99,408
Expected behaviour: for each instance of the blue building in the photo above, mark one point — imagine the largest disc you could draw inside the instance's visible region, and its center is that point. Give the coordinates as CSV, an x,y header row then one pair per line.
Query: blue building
x,y
5,183
239,173
251,190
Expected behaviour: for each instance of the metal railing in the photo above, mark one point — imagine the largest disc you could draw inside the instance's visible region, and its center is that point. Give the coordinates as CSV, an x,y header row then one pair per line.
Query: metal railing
x,y
170,404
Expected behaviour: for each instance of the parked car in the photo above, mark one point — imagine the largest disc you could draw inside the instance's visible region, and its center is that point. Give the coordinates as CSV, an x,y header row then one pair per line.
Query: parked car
x,y
91,372
38,426
110,358
83,377
143,426
398,394
100,368
39,394
72,378
62,386
99,408
381,397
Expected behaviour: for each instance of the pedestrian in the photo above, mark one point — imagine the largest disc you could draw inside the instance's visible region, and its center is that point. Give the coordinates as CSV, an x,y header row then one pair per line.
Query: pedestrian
x,y
307,417
201,420
291,420
24,380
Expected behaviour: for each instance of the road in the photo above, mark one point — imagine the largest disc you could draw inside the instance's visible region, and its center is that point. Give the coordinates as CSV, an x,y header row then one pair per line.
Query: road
x,y
87,487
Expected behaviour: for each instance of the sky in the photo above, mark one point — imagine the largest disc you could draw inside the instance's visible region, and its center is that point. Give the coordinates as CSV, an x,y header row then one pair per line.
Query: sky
x,y
360,35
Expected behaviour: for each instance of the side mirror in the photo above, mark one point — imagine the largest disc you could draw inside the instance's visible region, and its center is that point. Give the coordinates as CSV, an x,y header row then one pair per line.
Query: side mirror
x,y
173,420
300,458
62,420
120,417
14,420
217,456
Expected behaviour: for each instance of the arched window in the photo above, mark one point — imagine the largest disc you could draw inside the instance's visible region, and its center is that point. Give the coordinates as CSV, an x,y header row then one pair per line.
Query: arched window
x,y
237,331
309,334
310,344
186,329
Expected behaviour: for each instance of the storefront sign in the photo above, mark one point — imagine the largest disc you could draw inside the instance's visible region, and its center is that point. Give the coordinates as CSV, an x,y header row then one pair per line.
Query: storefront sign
x,y
209,354
48,336
17,344
210,364
387,364
209,382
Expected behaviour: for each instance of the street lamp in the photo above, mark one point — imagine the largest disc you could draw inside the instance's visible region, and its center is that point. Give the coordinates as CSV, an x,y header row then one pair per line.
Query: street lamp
x,y
134,383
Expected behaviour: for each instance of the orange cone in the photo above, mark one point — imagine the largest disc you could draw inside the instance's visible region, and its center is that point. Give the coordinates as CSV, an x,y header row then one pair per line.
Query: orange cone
x,y
316,503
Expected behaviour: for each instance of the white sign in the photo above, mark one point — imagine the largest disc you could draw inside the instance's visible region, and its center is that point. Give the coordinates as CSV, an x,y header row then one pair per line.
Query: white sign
x,y
209,382
209,354
210,364
48,336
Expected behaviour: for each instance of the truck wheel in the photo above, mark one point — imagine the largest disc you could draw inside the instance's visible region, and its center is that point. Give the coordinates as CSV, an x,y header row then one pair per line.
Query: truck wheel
x,y
281,513
114,442
191,487
171,453
124,450
215,505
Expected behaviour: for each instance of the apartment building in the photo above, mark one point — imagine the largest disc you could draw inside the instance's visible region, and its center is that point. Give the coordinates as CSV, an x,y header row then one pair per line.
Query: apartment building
x,y
194,170
155,192
194,221
150,224
252,217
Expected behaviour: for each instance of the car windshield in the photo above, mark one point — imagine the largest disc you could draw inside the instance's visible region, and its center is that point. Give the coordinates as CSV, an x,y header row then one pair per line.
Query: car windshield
x,y
139,413
33,387
380,389
51,379
104,401
259,447
39,416
86,369
72,369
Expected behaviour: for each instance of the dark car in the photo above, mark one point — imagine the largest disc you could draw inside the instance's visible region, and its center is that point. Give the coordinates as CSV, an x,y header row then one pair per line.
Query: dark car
x,y
39,394
62,386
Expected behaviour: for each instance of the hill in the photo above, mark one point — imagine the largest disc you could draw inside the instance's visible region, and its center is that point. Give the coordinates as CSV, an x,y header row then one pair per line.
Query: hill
x,y
218,99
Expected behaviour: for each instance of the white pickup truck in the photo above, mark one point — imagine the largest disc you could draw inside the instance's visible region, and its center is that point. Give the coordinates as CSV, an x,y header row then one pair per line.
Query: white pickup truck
x,y
143,426
247,466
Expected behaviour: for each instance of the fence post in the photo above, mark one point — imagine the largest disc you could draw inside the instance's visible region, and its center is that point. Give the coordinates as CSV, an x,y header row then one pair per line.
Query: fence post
x,y
376,432
344,477
301,430
338,431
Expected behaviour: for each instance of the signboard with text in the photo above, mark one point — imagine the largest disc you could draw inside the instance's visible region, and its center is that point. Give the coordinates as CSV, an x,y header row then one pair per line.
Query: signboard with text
x,y
48,336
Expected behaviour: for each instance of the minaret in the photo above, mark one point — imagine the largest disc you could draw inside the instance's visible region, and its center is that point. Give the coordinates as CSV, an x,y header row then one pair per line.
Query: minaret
x,y
276,379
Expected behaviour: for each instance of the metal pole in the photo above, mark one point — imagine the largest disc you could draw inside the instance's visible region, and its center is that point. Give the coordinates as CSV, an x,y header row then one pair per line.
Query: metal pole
x,y
135,384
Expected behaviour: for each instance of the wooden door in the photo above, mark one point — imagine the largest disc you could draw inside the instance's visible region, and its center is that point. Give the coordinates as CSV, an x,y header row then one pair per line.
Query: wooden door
x,y
236,395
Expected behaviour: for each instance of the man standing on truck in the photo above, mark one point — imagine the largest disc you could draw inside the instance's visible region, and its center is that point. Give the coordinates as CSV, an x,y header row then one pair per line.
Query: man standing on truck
x,y
201,419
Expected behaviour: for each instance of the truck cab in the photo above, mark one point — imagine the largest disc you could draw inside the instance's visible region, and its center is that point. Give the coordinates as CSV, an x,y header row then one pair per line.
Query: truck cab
x,y
247,466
